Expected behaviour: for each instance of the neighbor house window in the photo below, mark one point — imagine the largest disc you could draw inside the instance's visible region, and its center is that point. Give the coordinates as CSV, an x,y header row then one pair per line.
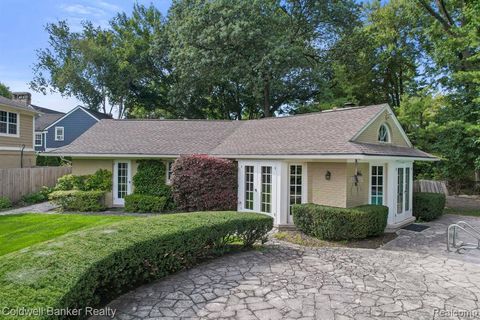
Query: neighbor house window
x,y
8,123
295,186
38,139
266,204
383,133
169,171
249,187
59,133
376,185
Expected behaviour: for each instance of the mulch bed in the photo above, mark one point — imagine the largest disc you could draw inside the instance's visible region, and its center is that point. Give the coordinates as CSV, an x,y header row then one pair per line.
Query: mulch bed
x,y
297,237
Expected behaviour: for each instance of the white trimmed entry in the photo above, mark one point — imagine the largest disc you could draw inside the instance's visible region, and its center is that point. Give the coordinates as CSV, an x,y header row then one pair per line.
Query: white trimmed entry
x,y
271,187
122,181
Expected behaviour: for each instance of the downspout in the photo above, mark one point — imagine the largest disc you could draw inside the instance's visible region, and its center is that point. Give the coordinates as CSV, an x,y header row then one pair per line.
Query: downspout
x,y
21,156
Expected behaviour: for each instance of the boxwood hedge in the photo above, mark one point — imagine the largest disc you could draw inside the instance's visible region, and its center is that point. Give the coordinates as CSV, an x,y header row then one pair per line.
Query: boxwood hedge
x,y
92,266
428,206
144,203
332,223
77,200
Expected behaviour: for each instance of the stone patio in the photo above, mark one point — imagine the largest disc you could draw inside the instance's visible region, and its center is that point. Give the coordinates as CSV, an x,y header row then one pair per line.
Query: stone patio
x,y
433,240
283,281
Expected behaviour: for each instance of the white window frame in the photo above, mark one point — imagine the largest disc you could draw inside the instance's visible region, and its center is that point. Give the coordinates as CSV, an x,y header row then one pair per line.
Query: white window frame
x,y
14,135
57,135
169,172
389,133
41,139
384,173
263,192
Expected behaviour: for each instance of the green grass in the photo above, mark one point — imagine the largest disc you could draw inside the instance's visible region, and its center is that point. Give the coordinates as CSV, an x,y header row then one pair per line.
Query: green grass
x,y
463,212
91,266
23,230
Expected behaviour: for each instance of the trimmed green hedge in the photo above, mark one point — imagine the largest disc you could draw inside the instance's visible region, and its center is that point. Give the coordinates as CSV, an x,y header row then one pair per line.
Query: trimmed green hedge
x,y
144,203
100,180
93,266
428,206
332,223
77,200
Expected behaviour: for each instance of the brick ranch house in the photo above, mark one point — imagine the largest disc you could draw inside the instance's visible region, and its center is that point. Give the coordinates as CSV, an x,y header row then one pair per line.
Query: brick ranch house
x,y
342,157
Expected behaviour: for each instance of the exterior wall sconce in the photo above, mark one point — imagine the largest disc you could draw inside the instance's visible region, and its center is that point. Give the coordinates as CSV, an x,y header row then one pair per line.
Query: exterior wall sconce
x,y
328,175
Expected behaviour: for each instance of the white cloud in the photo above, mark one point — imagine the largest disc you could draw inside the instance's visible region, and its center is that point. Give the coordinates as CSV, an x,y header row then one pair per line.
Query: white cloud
x,y
97,12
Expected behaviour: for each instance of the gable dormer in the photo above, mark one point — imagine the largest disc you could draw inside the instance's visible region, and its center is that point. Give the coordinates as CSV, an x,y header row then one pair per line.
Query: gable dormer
x,y
384,128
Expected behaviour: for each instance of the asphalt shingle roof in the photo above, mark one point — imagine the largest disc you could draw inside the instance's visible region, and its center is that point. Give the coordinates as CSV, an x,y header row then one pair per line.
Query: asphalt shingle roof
x,y
322,133
15,104
45,119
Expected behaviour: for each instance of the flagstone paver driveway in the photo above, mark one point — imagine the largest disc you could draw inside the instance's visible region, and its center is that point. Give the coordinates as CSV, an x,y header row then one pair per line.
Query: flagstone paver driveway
x,y
289,282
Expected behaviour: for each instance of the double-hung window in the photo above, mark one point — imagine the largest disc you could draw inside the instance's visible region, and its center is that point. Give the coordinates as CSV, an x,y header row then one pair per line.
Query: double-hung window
x,y
59,133
8,123
38,139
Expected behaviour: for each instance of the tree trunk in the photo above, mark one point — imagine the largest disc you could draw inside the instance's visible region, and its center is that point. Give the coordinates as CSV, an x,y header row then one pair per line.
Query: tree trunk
x,y
266,97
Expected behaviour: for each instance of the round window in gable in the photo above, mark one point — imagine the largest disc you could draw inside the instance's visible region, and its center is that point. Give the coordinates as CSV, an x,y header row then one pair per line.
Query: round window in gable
x,y
384,133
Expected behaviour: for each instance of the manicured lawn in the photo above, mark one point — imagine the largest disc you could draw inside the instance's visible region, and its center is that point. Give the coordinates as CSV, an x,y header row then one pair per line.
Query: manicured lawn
x,y
463,212
23,230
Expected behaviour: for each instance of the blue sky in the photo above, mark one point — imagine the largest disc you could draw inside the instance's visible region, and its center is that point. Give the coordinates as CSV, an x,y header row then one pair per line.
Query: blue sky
x,y
22,32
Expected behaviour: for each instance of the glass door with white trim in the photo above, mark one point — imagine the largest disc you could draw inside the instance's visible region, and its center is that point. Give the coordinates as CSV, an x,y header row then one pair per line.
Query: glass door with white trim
x,y
403,193
258,188
295,188
121,182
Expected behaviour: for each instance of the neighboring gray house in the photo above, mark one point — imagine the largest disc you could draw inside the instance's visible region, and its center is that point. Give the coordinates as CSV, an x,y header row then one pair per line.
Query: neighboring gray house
x,y
55,129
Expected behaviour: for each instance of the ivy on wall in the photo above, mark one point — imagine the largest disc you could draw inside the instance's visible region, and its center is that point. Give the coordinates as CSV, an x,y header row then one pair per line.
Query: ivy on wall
x,y
150,179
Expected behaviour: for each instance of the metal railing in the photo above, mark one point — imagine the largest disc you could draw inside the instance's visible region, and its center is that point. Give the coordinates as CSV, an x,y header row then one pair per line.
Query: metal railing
x,y
453,244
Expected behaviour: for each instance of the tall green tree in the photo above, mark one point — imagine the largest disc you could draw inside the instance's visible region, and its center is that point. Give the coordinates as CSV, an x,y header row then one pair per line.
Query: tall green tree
x,y
120,67
5,91
250,58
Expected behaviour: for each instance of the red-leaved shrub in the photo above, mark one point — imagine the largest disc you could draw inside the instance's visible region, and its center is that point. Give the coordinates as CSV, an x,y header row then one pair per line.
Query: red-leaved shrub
x,y
202,183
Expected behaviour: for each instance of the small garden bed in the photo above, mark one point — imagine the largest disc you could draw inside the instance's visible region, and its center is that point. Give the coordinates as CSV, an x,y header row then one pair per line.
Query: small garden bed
x,y
299,238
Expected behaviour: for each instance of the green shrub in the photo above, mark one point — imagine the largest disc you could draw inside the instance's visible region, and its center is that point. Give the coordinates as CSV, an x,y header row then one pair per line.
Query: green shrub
x,y
78,200
70,182
428,206
100,180
150,179
37,197
5,203
95,265
144,203
332,223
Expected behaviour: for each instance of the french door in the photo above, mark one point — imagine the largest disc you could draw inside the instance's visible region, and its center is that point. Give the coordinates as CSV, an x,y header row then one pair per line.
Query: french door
x,y
403,193
121,181
258,188
295,188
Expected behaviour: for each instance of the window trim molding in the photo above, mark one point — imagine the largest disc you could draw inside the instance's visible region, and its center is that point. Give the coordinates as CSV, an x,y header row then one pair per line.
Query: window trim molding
x,y
370,182
17,135
35,139
63,133
389,133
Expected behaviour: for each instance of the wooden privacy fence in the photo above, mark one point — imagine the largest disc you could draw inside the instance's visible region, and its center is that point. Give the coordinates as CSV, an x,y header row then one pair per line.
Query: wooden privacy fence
x,y
430,186
17,182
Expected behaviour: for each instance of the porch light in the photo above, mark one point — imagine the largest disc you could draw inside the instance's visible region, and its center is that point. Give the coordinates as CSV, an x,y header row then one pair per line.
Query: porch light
x,y
328,175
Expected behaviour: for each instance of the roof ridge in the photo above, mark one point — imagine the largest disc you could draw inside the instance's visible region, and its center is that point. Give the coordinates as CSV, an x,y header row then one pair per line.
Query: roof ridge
x,y
263,119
